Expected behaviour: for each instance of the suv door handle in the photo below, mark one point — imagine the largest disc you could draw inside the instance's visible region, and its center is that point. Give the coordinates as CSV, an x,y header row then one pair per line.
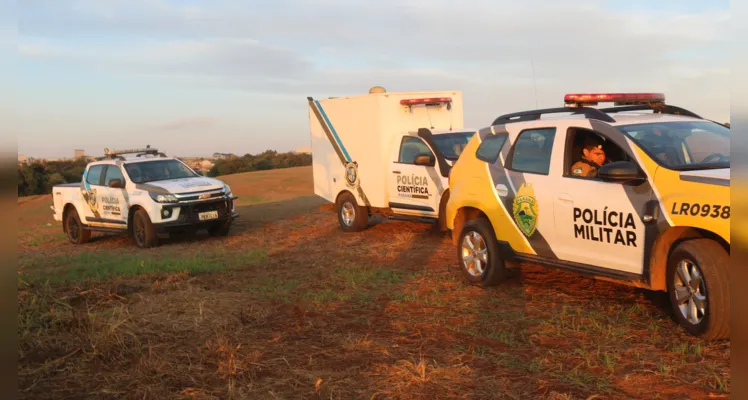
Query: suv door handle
x,y
565,198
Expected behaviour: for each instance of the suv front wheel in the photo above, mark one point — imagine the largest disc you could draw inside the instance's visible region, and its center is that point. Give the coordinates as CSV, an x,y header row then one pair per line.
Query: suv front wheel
x,y
698,282
478,253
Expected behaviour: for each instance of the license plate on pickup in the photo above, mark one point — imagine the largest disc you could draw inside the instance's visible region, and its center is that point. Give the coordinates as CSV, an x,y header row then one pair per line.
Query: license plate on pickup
x,y
204,216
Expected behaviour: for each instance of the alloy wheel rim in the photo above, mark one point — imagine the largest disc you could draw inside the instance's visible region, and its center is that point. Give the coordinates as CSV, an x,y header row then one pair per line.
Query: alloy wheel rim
x,y
474,253
348,213
690,291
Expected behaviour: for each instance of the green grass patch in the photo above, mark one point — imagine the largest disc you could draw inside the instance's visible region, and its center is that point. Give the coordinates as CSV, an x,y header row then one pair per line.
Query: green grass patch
x,y
101,266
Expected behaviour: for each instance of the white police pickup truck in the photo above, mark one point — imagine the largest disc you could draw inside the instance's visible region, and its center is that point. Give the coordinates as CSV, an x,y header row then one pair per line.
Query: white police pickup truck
x,y
146,195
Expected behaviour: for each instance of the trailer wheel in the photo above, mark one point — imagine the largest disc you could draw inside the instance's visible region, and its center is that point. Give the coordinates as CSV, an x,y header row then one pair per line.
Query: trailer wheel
x,y
143,231
351,217
74,228
698,283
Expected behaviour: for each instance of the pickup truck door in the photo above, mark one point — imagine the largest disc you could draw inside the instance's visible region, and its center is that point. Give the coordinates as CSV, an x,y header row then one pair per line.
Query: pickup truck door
x,y
92,187
112,201
414,189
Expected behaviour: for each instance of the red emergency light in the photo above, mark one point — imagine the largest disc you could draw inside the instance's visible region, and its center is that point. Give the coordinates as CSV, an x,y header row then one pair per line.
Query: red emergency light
x,y
431,100
579,99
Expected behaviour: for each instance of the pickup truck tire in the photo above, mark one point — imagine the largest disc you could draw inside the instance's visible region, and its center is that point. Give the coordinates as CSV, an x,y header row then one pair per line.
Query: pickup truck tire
x,y
351,217
220,229
74,228
478,243
698,283
143,232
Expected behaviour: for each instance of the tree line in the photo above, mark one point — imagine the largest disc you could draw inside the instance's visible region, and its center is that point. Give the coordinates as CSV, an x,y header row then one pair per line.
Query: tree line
x,y
38,178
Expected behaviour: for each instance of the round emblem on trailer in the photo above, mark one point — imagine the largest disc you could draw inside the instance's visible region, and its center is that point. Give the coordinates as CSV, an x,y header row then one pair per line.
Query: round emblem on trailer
x,y
351,174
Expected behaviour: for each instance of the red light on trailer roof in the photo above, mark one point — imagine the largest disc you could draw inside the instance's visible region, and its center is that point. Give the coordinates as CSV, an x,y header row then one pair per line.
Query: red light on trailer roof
x,y
432,100
618,98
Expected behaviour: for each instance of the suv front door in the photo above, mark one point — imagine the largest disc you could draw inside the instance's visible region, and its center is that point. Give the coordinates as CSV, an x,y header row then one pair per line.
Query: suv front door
x,y
598,223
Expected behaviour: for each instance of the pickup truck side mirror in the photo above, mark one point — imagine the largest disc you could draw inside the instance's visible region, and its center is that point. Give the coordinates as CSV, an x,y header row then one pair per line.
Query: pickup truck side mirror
x,y
116,184
625,172
427,160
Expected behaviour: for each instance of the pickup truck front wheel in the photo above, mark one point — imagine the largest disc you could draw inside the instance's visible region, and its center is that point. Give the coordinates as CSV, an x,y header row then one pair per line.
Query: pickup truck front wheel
x,y
351,217
74,228
143,231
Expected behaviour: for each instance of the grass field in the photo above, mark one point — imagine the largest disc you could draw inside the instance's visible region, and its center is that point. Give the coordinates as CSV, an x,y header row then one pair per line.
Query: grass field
x,y
290,307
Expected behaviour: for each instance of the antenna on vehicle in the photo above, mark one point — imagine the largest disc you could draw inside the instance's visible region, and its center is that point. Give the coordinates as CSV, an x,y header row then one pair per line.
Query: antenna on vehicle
x,y
534,83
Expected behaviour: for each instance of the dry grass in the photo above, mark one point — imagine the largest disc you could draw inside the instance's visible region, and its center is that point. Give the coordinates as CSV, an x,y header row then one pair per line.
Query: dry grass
x,y
323,314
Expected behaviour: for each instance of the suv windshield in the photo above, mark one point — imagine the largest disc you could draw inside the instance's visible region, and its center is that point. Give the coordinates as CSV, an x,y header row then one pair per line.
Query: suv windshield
x,y
452,144
683,145
150,171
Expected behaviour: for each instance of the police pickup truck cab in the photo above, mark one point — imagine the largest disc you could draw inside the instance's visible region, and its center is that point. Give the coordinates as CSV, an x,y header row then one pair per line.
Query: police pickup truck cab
x,y
146,196
386,153
653,213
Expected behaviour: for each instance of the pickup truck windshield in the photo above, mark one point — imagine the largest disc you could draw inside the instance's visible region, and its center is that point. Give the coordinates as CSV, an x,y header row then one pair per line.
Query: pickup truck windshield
x,y
683,145
150,171
452,144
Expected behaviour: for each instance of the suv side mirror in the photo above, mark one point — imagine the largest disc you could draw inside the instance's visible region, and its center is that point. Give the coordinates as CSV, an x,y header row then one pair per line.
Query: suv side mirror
x,y
116,184
199,172
625,172
427,160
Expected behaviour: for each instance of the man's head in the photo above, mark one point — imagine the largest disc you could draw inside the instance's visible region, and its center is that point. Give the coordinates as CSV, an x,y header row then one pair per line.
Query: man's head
x,y
593,151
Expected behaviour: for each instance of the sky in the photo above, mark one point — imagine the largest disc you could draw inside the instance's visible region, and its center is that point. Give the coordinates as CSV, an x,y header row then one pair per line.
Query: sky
x,y
195,77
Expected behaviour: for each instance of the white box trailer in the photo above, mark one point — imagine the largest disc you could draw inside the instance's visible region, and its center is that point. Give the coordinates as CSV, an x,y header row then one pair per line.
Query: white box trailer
x,y
386,153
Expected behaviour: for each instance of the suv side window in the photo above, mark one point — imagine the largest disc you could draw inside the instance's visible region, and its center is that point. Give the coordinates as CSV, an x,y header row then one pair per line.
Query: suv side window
x,y
490,148
113,172
94,174
410,148
532,151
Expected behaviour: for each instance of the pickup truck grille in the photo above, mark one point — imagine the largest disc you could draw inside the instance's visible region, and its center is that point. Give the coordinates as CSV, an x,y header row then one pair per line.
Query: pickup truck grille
x,y
189,213
196,196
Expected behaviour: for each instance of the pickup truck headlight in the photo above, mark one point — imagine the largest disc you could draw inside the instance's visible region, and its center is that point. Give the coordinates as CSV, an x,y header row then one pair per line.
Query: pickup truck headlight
x,y
226,189
164,198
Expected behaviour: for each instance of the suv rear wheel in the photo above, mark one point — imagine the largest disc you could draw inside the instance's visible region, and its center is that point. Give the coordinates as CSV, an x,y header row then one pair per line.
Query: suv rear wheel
x,y
478,253
698,282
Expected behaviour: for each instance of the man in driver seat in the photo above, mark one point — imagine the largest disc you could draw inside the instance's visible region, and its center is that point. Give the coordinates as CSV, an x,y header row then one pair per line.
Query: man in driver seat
x,y
593,157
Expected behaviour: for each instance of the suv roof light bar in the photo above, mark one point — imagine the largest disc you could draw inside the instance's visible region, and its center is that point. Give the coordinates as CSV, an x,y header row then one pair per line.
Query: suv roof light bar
x,y
591,113
664,109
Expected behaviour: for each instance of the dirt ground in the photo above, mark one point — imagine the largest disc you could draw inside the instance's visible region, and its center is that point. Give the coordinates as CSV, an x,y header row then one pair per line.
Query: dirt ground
x,y
290,307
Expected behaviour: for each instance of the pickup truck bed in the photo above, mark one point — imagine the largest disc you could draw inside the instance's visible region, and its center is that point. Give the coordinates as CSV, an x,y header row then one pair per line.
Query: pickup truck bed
x,y
68,185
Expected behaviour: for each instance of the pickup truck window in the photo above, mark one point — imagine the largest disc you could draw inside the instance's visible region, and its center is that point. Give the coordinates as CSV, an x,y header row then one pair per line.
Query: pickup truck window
x,y
410,148
452,144
94,174
151,171
113,172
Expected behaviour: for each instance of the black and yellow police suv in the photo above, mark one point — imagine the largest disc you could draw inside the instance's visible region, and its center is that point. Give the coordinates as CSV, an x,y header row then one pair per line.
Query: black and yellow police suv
x,y
637,193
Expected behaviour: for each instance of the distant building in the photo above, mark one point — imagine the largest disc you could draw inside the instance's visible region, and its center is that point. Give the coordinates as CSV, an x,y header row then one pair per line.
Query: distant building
x,y
24,159
78,153
223,156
